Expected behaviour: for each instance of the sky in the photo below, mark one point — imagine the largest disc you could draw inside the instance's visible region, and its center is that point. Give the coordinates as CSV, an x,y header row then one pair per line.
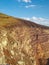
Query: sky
x,y
35,10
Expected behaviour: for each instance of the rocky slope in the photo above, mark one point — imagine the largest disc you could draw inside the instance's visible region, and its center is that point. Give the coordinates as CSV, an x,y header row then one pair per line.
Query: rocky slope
x,y
23,42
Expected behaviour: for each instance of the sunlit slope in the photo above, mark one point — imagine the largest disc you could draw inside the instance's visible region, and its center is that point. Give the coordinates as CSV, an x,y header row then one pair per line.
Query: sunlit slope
x,y
7,20
23,42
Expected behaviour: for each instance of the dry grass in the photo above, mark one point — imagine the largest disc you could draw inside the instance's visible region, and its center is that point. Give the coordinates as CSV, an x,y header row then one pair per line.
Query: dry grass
x,y
22,45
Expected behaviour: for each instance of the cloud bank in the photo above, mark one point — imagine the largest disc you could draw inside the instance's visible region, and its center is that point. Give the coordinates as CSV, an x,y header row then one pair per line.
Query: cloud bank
x,y
38,20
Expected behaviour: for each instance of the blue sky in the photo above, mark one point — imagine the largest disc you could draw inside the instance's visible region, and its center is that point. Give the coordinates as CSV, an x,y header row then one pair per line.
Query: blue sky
x,y
34,10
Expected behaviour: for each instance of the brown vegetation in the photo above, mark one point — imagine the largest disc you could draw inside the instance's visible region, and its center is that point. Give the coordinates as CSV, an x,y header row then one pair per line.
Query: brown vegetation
x,y
23,42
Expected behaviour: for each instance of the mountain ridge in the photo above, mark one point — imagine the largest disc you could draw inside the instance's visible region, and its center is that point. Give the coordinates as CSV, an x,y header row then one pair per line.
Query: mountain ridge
x,y
4,16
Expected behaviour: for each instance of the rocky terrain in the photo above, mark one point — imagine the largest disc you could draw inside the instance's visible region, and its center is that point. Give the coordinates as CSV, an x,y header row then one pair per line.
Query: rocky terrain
x,y
23,42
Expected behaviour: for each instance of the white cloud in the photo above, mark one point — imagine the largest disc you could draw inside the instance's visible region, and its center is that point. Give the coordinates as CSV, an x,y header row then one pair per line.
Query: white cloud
x,y
38,20
30,6
26,1
25,18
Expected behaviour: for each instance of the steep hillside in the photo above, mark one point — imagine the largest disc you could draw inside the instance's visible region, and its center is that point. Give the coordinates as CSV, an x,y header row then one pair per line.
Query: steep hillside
x,y
23,42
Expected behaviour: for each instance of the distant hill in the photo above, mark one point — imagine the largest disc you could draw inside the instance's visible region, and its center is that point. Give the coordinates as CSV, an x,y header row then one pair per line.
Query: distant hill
x,y
23,42
5,19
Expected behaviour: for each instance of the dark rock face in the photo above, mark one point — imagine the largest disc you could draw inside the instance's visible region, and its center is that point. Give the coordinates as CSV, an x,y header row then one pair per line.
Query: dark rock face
x,y
23,42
